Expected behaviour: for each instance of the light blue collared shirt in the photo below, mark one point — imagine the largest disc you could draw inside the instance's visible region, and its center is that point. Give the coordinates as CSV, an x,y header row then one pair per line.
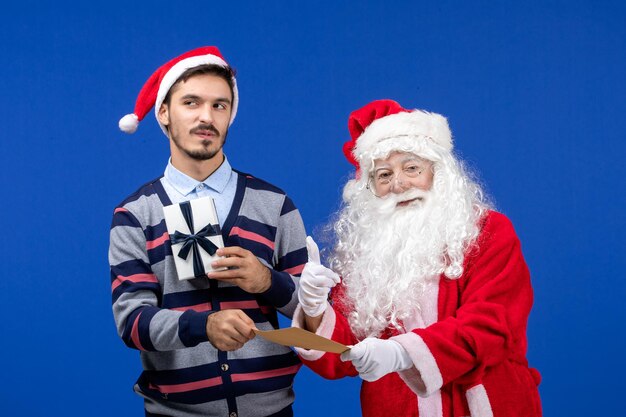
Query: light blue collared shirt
x,y
221,185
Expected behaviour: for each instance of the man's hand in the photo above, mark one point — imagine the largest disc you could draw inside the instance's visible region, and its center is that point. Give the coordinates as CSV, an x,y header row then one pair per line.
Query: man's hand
x,y
229,329
315,282
375,358
245,270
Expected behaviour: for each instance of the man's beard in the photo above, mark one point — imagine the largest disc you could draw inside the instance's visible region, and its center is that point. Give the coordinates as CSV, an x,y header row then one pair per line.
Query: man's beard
x,y
205,153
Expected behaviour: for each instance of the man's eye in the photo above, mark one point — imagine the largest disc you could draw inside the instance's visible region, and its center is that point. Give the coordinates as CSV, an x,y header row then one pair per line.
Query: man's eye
x,y
189,102
220,106
412,168
384,175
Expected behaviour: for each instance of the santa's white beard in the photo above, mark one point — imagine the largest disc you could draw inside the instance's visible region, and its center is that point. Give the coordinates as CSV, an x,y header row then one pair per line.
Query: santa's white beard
x,y
388,254
392,254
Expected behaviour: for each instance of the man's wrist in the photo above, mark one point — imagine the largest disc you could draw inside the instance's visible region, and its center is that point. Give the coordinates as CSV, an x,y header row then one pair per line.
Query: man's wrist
x,y
281,289
266,280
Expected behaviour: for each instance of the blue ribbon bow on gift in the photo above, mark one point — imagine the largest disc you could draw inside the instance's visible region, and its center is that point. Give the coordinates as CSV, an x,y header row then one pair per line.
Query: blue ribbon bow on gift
x,y
192,241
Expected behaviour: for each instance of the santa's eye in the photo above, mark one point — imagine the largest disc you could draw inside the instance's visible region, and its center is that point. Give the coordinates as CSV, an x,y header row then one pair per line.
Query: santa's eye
x,y
413,170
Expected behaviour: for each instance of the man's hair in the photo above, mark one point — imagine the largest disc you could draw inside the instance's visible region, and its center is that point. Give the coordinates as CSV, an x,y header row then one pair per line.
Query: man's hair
x,y
226,73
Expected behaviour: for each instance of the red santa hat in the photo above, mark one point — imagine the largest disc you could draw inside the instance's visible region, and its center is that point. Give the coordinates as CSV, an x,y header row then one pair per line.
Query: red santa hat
x,y
158,85
383,126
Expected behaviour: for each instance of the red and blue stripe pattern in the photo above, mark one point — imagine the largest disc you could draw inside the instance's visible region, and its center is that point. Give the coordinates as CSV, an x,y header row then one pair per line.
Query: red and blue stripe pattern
x,y
162,316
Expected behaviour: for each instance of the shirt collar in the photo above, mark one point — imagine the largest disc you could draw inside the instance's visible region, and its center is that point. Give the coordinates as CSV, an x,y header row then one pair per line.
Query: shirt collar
x,y
184,184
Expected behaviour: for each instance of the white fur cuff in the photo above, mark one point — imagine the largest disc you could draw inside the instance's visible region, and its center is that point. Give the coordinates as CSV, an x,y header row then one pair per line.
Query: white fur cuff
x,y
424,378
327,326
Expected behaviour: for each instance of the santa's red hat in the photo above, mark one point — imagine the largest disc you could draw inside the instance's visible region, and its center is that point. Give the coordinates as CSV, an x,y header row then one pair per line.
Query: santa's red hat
x,y
383,126
158,85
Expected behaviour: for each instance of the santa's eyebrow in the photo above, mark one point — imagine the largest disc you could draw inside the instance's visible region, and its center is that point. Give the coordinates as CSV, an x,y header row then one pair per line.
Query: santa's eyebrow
x,y
412,158
388,167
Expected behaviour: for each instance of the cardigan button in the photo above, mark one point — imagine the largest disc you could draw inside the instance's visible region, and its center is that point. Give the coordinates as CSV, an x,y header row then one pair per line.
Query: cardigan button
x,y
225,368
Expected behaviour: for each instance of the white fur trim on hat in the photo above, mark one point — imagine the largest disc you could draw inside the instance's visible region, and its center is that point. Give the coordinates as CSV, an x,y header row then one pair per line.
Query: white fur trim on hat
x,y
407,131
170,78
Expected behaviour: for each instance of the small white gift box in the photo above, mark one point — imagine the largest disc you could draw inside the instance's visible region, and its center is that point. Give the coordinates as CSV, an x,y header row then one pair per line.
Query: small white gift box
x,y
195,235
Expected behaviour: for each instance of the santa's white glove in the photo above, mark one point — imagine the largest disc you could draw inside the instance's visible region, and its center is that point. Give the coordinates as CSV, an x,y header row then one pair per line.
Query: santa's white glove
x,y
375,358
315,282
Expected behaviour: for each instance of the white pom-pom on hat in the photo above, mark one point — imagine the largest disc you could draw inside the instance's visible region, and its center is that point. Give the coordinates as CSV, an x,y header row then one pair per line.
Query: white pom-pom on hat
x,y
129,123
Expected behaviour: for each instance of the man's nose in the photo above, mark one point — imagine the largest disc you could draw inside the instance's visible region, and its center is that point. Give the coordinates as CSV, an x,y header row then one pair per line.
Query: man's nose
x,y
206,114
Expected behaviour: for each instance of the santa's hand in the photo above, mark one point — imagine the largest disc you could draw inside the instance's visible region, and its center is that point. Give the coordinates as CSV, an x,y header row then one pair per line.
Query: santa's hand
x,y
374,358
315,282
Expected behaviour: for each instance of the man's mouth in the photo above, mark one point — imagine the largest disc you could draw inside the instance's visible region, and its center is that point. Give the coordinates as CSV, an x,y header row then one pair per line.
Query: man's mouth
x,y
205,132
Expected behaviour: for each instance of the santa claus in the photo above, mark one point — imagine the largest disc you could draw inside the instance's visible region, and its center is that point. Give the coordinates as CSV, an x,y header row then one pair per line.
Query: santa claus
x,y
434,294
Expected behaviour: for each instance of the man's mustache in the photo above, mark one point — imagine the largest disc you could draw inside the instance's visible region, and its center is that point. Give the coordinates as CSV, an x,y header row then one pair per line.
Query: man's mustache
x,y
210,128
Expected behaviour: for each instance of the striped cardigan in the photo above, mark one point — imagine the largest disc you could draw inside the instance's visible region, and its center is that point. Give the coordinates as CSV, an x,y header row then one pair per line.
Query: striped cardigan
x,y
165,319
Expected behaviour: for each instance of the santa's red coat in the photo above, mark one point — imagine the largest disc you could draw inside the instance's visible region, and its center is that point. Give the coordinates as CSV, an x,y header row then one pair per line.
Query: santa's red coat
x,y
468,346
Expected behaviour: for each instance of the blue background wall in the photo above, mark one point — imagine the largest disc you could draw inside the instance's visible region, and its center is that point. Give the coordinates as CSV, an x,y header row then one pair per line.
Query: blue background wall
x,y
535,93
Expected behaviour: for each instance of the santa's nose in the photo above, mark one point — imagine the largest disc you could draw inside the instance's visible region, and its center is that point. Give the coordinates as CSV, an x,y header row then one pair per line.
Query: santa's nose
x,y
398,185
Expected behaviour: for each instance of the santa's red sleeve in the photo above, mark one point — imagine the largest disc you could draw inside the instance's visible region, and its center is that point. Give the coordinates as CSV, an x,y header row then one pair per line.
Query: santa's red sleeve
x,y
334,326
489,325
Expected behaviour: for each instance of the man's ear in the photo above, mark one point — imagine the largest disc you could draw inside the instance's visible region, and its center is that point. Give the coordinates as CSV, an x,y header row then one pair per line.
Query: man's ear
x,y
164,115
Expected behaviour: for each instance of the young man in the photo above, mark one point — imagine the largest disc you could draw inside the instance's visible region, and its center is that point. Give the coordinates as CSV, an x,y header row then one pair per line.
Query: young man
x,y
435,293
196,339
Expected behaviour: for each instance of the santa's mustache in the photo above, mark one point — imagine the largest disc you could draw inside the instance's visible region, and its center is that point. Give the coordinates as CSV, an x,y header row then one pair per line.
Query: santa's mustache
x,y
205,127
391,201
